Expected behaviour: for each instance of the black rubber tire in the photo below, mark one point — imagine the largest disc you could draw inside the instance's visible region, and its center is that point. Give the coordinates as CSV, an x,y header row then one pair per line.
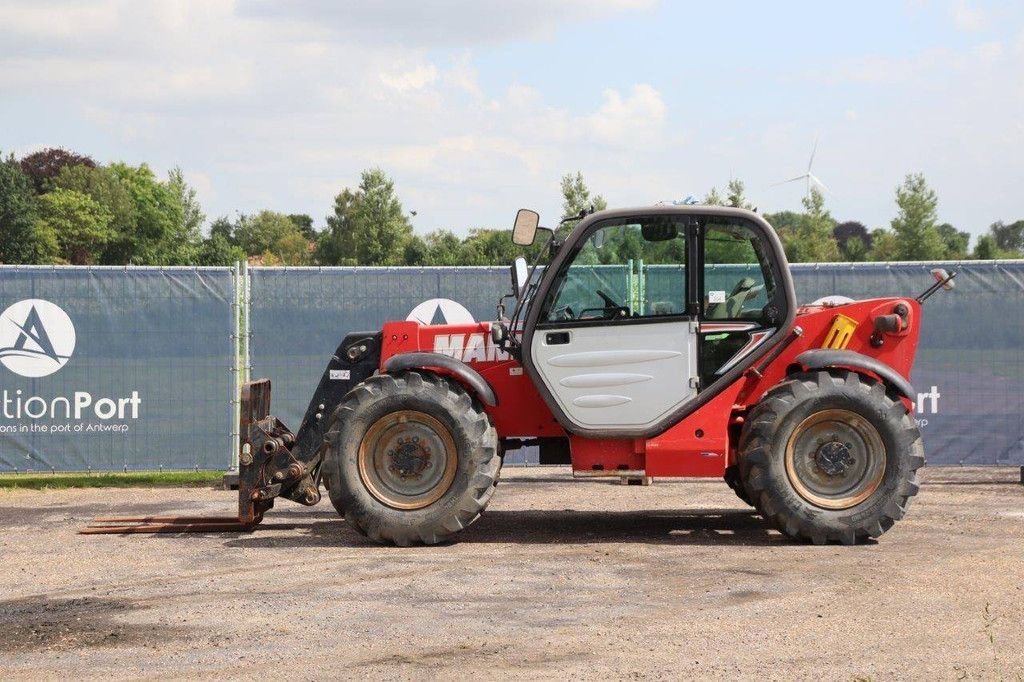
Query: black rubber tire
x,y
732,479
476,443
773,420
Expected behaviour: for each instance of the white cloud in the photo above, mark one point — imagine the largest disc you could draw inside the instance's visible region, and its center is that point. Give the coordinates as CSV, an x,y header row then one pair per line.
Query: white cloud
x,y
889,69
461,74
281,104
989,51
967,17
47,20
415,78
636,119
416,24
463,157
273,103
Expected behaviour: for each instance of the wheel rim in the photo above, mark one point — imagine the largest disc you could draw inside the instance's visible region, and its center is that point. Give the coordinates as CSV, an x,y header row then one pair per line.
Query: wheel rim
x,y
408,459
835,459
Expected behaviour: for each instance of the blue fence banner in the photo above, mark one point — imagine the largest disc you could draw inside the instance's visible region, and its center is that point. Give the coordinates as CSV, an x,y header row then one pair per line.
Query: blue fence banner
x,y
116,369
969,373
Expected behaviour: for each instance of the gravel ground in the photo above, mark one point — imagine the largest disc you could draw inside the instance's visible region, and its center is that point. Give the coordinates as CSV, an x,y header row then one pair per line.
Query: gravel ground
x,y
559,579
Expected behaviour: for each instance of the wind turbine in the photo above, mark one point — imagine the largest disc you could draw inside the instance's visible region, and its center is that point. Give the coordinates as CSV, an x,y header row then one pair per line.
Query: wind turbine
x,y
809,176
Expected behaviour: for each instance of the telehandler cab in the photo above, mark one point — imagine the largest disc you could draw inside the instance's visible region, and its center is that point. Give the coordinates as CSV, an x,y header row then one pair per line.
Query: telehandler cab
x,y
657,342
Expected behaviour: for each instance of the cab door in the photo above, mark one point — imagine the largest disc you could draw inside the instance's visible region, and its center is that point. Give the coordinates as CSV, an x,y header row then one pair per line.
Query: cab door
x,y
615,342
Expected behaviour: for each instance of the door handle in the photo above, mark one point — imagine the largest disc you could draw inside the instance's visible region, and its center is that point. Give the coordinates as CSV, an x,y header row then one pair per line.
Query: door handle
x,y
556,338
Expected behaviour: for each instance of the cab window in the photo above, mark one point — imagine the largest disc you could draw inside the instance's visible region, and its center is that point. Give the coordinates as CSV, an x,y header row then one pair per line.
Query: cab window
x,y
627,268
738,283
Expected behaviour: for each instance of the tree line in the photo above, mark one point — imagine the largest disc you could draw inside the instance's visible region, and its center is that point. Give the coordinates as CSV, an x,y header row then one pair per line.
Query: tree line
x,y
60,207
914,234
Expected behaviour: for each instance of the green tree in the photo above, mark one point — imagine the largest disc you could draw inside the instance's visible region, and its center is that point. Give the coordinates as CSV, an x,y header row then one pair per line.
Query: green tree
x,y
217,250
1008,239
786,224
367,227
955,242
305,224
577,198
336,245
443,248
105,187
713,198
884,245
416,251
854,250
80,224
17,214
272,236
46,164
159,225
46,248
987,248
381,228
224,228
187,231
292,248
488,247
810,239
735,195
853,239
917,237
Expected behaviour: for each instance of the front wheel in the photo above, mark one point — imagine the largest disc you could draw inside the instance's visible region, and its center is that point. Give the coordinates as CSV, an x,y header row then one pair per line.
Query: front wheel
x,y
732,479
830,456
412,458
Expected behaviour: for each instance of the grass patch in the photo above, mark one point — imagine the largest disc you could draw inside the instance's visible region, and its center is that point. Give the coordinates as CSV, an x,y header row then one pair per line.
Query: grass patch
x,y
141,479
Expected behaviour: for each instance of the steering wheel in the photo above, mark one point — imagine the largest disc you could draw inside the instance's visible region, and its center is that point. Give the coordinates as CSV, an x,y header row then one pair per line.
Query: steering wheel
x,y
611,309
609,302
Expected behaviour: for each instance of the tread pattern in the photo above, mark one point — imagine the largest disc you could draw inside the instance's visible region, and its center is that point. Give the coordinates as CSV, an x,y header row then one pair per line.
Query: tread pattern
x,y
470,492
732,479
762,473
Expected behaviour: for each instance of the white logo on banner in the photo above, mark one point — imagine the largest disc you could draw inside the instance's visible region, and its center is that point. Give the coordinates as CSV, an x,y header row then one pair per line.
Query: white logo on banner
x,y
440,311
37,338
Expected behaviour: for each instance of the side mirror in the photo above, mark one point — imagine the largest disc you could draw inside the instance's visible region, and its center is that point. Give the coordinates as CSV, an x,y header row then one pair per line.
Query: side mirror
x,y
943,280
520,273
499,332
524,231
943,277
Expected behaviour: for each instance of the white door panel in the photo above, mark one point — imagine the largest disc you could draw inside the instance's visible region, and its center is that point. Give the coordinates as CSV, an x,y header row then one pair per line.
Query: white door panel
x,y
618,376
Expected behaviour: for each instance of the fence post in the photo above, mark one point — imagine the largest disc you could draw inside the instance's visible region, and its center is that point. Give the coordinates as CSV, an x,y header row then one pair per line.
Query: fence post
x,y
236,372
246,316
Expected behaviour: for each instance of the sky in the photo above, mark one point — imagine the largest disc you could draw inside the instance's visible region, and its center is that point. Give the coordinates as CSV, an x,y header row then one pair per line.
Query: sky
x,y
478,108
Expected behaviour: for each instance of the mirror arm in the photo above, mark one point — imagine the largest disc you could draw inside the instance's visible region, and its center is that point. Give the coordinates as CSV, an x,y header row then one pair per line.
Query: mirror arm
x,y
553,246
509,343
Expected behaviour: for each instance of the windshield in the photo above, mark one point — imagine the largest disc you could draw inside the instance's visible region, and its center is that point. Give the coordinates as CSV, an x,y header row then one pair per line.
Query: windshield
x,y
627,268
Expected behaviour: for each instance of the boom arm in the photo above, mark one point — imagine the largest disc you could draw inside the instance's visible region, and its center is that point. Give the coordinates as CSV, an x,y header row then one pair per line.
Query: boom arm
x,y
275,462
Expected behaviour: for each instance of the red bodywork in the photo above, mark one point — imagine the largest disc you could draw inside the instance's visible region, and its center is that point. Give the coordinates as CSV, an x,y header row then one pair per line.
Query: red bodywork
x,y
704,443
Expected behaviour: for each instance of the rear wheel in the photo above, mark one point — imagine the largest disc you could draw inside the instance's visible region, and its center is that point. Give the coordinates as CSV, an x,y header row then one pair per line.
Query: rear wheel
x,y
830,457
412,458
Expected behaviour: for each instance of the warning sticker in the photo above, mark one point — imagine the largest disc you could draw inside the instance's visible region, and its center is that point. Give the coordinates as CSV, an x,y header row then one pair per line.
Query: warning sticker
x,y
716,297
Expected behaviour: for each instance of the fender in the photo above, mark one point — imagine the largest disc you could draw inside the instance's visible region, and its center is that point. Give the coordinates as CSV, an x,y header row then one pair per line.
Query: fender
x,y
824,358
472,378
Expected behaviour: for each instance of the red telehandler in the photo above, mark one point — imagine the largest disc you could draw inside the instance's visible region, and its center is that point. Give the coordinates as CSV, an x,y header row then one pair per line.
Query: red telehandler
x,y
656,342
